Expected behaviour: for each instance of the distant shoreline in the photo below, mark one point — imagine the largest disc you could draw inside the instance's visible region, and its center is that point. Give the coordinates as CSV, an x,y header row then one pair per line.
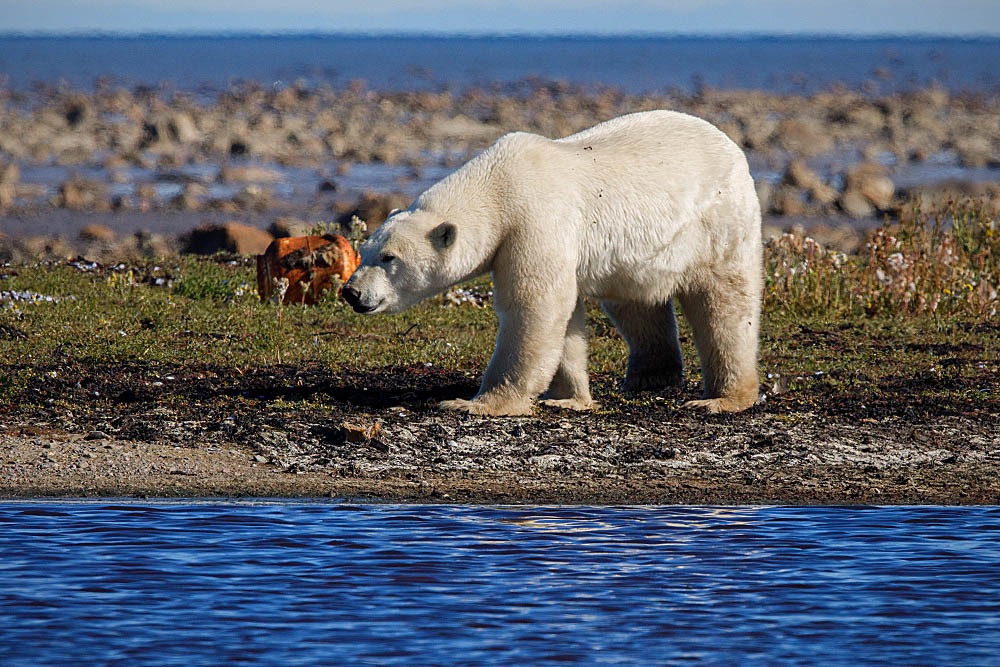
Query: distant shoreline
x,y
510,35
634,63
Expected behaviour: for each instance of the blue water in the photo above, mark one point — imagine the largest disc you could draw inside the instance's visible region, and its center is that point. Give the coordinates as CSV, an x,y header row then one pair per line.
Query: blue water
x,y
633,64
286,583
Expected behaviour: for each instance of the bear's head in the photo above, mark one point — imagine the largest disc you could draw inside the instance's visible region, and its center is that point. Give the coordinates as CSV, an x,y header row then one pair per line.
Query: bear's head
x,y
410,257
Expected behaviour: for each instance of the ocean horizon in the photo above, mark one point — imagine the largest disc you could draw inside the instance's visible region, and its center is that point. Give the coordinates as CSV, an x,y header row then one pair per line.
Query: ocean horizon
x,y
633,62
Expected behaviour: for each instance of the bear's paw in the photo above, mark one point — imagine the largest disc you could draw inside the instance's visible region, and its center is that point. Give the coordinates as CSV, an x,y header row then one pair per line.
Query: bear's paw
x,y
486,408
570,404
721,404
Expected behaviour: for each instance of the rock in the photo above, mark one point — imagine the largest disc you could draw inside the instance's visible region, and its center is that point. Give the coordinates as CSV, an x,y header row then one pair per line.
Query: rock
x,y
97,232
757,132
855,204
23,250
869,180
190,197
285,227
838,237
375,208
976,151
10,174
233,237
121,203
167,128
804,136
788,201
765,192
8,193
224,206
115,161
934,97
357,433
879,192
823,194
96,435
171,158
250,174
150,245
146,192
252,197
732,130
327,185
183,129
79,194
463,128
800,175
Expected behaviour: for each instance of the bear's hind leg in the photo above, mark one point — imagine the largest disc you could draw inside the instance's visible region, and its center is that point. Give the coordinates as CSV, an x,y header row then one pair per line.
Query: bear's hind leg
x,y
570,386
654,360
725,327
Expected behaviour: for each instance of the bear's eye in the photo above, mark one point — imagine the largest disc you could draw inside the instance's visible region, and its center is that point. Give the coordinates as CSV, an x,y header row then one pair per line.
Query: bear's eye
x,y
386,259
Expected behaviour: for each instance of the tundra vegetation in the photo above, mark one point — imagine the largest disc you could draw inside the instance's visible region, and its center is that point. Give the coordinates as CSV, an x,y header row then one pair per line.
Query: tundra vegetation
x,y
885,360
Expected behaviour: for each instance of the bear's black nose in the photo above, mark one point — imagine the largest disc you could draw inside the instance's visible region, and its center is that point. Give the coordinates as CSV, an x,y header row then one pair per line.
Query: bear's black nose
x,y
351,296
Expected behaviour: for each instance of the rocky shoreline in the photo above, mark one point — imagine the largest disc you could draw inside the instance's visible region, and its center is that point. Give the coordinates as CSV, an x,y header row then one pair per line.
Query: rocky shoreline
x,y
433,458
140,164
377,437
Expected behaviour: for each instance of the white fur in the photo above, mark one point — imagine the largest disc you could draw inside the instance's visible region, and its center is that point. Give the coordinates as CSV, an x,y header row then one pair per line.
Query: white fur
x,y
631,212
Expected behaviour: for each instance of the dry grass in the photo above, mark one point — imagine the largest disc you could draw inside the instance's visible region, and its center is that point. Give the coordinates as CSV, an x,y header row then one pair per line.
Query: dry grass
x,y
941,264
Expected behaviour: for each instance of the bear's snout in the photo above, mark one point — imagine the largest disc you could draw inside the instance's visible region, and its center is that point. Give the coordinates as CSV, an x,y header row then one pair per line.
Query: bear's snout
x,y
353,297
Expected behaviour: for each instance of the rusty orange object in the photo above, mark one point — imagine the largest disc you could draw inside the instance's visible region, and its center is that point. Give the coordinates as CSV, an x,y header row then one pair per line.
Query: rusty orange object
x,y
308,263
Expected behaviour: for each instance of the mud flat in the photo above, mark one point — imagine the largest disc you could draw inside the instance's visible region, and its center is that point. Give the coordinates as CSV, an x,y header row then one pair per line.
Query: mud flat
x,y
660,456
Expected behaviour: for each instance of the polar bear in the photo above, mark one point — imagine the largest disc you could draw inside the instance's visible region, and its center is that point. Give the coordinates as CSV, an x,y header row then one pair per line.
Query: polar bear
x,y
631,212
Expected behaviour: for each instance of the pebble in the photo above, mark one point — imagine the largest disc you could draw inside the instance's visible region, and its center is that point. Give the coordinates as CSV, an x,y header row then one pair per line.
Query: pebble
x,y
96,435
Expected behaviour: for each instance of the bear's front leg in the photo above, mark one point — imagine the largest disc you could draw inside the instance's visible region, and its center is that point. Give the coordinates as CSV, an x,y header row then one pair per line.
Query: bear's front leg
x,y
529,347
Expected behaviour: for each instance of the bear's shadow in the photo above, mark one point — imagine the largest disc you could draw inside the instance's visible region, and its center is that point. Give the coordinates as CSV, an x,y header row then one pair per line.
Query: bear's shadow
x,y
406,386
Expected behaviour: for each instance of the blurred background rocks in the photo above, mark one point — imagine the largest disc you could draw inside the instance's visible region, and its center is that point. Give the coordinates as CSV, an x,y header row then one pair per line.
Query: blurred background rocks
x,y
165,163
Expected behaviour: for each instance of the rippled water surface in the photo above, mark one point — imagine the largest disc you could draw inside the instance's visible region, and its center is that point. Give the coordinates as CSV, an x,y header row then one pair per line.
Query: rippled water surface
x,y
286,583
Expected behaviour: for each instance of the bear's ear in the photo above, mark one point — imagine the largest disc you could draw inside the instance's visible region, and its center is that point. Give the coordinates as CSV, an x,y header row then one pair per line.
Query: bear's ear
x,y
443,235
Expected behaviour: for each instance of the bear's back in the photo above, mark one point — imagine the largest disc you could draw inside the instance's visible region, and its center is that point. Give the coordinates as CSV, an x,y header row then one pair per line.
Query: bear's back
x,y
652,136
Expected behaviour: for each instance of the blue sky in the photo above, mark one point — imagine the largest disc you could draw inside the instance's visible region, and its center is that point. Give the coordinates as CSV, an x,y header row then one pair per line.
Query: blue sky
x,y
856,17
